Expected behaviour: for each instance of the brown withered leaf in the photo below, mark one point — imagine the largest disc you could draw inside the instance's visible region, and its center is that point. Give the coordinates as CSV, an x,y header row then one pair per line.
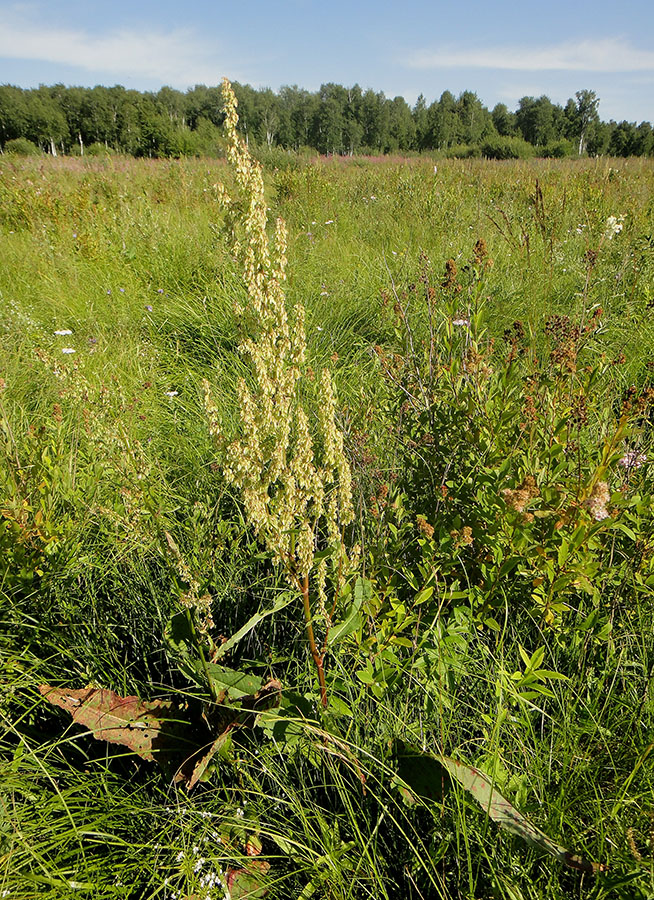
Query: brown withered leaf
x,y
143,726
182,740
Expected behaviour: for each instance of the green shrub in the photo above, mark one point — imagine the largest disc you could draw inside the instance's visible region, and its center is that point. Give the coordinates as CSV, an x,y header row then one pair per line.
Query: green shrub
x,y
463,151
522,464
99,149
558,149
21,147
507,148
277,158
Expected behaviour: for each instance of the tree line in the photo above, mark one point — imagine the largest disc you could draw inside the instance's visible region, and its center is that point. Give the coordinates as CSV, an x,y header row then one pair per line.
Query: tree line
x,y
332,120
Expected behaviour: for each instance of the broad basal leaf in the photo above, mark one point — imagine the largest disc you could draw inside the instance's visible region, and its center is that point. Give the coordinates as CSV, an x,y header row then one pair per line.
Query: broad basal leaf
x,y
179,736
145,727
242,717
426,775
229,683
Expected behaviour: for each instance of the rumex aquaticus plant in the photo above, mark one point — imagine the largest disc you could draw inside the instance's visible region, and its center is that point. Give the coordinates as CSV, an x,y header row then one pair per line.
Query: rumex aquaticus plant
x,y
294,480
296,492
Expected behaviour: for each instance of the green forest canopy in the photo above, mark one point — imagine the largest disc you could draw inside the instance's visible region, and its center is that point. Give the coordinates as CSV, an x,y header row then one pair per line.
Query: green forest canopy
x,y
335,119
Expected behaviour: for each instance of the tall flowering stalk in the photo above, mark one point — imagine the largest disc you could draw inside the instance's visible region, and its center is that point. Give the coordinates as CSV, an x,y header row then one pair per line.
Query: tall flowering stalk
x,y
296,490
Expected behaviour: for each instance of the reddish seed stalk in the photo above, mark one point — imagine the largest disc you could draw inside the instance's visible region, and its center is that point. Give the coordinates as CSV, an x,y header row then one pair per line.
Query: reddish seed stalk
x,y
318,657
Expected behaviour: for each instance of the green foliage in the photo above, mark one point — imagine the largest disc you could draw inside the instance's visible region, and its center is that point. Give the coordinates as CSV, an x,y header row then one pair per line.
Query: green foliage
x,y
463,151
21,146
98,149
506,148
332,120
559,149
507,458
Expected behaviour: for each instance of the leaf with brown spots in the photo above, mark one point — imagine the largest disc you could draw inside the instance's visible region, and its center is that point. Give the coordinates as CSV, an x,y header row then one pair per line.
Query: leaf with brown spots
x,y
145,727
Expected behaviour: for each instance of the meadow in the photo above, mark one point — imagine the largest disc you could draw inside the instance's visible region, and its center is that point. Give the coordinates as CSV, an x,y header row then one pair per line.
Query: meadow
x,y
480,623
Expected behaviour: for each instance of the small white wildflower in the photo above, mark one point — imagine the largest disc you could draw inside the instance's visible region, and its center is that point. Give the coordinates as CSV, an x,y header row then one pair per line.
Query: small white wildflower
x,y
461,322
614,225
67,349
180,856
62,331
171,393
329,222
324,293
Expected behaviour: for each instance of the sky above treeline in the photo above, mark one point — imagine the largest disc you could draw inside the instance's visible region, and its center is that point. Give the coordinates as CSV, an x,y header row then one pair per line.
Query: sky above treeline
x,y
500,49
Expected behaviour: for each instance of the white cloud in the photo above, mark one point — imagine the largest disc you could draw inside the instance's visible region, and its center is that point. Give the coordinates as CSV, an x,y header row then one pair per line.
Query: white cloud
x,y
177,57
605,55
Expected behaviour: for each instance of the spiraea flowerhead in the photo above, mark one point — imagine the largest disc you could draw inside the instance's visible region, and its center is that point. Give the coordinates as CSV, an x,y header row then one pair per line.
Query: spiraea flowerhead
x,y
597,503
632,459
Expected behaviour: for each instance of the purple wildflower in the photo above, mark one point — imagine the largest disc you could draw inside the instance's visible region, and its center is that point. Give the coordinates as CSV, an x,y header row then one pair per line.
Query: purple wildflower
x,y
632,460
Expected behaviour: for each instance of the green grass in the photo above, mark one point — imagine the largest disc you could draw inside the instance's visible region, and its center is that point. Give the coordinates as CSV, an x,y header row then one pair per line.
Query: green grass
x,y
113,463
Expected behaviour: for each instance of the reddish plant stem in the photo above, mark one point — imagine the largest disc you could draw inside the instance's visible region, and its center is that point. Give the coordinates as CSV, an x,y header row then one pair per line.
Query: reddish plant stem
x,y
318,657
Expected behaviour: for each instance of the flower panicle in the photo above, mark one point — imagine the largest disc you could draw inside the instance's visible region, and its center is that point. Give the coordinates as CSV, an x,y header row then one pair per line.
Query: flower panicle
x,y
297,492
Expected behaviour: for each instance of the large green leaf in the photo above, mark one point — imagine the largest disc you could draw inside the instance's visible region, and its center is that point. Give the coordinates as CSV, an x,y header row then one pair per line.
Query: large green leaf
x,y
353,619
425,775
283,600
229,683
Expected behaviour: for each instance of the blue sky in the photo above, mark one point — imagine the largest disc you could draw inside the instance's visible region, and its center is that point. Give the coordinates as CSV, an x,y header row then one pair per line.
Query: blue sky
x,y
502,50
